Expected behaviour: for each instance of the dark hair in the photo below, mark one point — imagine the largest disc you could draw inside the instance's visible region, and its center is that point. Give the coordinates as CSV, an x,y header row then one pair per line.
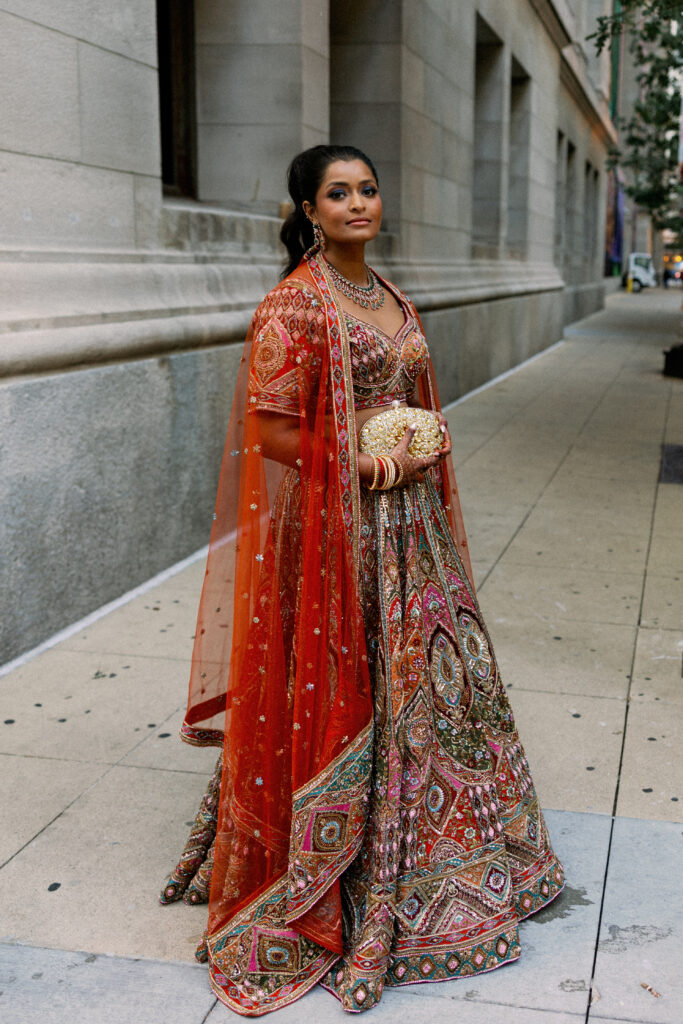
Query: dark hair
x,y
304,176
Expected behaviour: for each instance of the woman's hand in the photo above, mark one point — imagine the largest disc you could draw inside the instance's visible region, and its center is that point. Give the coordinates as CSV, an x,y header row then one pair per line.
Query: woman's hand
x,y
447,443
414,469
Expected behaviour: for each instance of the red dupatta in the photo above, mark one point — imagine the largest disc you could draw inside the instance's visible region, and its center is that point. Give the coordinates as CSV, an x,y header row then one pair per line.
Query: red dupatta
x,y
279,672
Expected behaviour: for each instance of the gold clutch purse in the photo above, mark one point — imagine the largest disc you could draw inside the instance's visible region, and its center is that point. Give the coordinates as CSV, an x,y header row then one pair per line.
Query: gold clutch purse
x,y
381,433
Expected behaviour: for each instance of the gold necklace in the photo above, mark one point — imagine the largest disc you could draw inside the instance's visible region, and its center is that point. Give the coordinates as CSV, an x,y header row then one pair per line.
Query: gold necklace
x,y
369,296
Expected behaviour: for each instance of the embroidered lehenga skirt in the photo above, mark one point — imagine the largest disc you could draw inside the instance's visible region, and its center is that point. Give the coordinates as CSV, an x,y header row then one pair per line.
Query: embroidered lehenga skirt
x,y
455,850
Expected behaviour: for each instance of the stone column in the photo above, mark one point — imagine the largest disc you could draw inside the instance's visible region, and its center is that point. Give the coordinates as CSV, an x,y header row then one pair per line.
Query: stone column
x,y
365,89
262,95
491,125
518,171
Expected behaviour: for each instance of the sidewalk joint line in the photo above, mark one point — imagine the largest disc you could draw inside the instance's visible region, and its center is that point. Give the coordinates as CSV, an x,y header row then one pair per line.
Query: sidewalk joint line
x,y
625,725
47,825
209,1011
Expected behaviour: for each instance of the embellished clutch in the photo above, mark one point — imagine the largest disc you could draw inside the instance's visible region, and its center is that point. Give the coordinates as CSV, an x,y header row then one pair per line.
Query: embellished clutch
x,y
381,433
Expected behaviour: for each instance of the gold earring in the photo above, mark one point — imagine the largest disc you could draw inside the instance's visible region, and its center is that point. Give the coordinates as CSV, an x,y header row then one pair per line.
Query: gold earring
x,y
318,236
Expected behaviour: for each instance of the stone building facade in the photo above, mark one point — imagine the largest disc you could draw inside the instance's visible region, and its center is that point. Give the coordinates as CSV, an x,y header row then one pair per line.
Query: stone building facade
x,y
143,149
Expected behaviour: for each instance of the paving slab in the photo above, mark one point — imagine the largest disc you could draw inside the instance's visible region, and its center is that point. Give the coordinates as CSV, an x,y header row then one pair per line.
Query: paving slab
x,y
666,550
34,791
164,749
651,779
636,460
593,659
658,666
669,508
88,706
558,594
604,497
160,623
642,926
96,872
663,601
52,986
579,541
573,746
572,511
490,533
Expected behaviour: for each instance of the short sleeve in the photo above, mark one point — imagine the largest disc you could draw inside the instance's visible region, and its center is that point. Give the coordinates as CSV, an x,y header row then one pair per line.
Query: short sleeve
x,y
284,369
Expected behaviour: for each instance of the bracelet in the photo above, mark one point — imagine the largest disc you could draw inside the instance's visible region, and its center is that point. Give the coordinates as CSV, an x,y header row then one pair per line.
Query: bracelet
x,y
399,465
389,473
375,473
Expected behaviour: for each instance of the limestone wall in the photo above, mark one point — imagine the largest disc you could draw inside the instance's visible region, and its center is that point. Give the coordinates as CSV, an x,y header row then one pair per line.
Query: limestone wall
x,y
123,299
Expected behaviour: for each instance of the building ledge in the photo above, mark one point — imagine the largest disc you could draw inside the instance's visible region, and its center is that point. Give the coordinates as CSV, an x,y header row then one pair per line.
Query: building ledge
x,y
70,314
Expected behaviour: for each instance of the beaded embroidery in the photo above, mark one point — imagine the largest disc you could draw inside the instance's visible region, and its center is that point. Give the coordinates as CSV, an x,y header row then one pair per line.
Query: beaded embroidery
x,y
384,368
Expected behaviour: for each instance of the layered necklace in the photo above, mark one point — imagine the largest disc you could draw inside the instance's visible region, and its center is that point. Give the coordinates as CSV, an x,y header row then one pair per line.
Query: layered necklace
x,y
369,296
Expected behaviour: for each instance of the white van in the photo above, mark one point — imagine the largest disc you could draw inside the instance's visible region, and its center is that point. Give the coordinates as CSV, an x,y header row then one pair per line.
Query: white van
x,y
641,270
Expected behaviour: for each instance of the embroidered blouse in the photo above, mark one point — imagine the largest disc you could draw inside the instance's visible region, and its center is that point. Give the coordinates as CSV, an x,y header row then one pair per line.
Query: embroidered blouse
x,y
384,369
285,358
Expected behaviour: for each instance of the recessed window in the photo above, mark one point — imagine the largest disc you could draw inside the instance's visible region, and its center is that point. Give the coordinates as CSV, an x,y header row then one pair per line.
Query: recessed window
x,y
177,107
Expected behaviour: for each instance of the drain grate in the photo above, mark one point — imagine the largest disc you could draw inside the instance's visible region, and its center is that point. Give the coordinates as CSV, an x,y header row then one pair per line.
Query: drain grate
x,y
672,464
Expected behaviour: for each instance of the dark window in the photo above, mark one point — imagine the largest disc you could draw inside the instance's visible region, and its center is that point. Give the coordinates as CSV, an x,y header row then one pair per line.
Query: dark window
x,y
175,41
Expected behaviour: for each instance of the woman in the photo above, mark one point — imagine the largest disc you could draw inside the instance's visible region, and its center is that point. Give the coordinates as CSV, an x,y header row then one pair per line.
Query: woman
x,y
375,821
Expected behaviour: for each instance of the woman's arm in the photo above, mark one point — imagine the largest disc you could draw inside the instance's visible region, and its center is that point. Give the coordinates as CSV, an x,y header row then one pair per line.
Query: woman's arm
x,y
279,437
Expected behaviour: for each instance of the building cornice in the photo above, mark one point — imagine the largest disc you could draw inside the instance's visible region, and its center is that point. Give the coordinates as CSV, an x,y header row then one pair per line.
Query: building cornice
x,y
132,310
573,77
557,17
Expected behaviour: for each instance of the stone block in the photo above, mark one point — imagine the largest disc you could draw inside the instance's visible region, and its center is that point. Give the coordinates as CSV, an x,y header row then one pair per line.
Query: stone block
x,y
440,96
412,79
119,112
38,95
126,28
57,204
315,110
245,22
422,141
92,457
315,26
313,137
373,127
147,192
378,22
246,164
249,85
366,71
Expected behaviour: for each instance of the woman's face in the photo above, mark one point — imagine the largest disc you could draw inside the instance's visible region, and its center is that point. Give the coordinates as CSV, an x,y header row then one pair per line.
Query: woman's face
x,y
348,205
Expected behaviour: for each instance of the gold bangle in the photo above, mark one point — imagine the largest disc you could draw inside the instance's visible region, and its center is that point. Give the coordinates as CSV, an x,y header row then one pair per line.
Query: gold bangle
x,y
375,473
389,473
399,467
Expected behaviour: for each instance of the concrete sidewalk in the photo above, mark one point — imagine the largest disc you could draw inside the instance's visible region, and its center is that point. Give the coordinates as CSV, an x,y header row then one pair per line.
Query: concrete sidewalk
x,y
578,552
